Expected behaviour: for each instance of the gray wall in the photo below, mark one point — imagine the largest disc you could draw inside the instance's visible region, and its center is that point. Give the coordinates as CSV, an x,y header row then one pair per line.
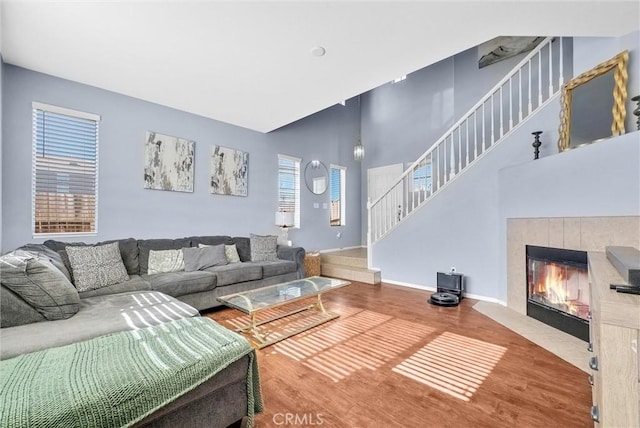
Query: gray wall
x,y
400,121
460,226
464,226
126,209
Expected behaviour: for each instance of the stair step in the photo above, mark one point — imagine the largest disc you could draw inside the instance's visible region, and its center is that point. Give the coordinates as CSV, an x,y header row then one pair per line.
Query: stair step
x,y
351,273
338,259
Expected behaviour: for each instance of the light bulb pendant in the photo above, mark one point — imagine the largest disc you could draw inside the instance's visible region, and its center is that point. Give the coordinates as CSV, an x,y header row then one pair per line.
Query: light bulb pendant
x,y
358,151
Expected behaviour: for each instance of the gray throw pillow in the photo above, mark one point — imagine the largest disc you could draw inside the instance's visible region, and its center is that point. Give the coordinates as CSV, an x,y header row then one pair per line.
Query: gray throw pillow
x,y
205,257
54,257
263,248
39,283
96,267
230,251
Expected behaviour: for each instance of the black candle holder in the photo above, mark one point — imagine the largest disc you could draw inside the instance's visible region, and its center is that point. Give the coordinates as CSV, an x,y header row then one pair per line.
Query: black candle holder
x,y
636,112
536,144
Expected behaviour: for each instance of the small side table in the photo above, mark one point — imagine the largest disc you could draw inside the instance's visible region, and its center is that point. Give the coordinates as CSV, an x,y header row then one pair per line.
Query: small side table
x,y
312,264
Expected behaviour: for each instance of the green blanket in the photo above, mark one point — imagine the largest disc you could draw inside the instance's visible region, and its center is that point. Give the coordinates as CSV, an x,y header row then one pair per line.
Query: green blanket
x,y
118,379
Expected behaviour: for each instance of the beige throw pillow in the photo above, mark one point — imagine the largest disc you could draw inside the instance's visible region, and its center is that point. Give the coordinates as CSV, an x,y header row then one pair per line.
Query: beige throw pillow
x,y
163,261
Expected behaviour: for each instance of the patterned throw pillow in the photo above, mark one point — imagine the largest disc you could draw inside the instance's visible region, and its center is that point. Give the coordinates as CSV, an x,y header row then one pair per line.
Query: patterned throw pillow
x,y
163,261
263,248
232,253
96,267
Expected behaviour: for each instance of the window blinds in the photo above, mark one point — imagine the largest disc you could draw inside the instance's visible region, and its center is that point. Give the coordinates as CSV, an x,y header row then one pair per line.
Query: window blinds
x,y
338,177
289,186
65,170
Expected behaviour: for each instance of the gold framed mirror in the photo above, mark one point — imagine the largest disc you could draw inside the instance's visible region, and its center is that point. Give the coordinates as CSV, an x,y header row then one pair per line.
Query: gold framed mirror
x,y
592,105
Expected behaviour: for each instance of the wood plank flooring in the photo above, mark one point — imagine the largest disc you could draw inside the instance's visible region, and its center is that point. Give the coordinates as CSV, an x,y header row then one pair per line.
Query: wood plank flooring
x,y
393,360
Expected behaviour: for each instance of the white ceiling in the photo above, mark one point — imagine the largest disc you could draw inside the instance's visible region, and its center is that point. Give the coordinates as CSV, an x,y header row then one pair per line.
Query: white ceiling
x,y
250,63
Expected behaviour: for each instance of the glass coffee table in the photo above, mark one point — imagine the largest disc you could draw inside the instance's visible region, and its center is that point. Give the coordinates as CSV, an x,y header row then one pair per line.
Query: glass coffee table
x,y
264,300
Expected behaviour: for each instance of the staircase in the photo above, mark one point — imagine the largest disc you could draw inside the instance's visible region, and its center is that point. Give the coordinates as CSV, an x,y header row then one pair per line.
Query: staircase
x,y
349,264
528,87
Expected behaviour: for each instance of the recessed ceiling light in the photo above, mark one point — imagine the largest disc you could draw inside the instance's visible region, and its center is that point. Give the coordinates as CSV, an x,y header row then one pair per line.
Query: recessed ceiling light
x,y
318,51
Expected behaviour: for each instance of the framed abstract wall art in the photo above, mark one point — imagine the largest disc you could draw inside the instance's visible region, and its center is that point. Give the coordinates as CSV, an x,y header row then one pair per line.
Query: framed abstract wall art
x,y
168,163
229,171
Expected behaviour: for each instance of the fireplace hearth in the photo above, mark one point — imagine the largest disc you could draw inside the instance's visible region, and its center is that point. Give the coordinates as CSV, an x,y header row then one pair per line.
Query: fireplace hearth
x,y
558,289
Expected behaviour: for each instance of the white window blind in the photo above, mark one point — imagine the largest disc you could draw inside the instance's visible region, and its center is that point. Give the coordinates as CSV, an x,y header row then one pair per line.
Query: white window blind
x,y
65,171
337,195
289,186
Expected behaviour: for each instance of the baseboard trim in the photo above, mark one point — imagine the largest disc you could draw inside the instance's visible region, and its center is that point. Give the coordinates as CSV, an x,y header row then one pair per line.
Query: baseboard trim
x,y
339,249
428,288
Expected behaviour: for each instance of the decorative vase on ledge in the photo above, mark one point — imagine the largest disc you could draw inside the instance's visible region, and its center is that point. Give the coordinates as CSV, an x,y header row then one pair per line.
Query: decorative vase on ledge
x,y
536,144
636,112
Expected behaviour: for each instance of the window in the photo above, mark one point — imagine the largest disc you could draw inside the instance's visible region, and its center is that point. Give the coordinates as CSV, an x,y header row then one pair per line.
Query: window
x,y
338,201
289,186
422,178
65,171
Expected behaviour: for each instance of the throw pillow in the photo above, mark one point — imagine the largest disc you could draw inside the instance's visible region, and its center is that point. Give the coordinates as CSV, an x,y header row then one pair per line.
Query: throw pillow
x,y
263,248
163,261
230,251
96,267
49,254
39,283
201,258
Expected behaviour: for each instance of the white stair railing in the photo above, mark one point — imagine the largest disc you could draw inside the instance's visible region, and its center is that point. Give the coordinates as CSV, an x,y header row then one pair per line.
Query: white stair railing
x,y
521,92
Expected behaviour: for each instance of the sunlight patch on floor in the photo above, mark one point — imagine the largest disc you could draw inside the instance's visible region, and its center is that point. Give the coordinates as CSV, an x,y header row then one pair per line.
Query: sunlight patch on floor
x,y
453,364
358,340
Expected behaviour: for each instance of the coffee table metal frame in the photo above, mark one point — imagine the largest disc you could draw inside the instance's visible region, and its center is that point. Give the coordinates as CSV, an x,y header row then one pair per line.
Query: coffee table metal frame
x,y
252,302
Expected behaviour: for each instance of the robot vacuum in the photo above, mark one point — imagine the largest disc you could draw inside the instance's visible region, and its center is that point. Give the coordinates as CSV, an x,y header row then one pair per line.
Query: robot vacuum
x,y
444,299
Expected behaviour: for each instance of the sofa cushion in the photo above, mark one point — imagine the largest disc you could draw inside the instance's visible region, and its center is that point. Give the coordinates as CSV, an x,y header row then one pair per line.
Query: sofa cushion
x,y
128,250
263,247
163,261
199,258
236,272
15,311
179,283
277,267
210,240
243,246
96,267
39,283
135,283
98,316
145,245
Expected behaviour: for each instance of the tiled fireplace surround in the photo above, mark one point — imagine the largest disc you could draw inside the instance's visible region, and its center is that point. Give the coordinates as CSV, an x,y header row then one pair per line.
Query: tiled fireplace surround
x,y
573,233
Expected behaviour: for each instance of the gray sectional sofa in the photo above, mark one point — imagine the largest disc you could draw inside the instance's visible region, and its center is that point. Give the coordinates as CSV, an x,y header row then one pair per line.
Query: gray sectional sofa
x,y
199,288
143,300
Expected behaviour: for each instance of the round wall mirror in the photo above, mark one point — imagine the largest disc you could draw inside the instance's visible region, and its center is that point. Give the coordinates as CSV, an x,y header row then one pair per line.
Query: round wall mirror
x,y
316,177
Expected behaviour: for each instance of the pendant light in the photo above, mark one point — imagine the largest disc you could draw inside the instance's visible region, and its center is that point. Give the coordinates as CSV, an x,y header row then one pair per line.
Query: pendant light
x,y
358,149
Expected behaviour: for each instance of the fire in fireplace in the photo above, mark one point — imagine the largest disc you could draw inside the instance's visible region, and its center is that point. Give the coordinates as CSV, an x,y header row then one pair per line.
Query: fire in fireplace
x,y
558,289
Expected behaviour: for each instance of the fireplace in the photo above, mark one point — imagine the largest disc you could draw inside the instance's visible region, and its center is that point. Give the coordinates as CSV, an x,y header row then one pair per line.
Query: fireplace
x,y
558,289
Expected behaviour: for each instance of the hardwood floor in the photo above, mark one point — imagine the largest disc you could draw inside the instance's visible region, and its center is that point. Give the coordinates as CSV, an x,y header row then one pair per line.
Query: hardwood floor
x,y
393,360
